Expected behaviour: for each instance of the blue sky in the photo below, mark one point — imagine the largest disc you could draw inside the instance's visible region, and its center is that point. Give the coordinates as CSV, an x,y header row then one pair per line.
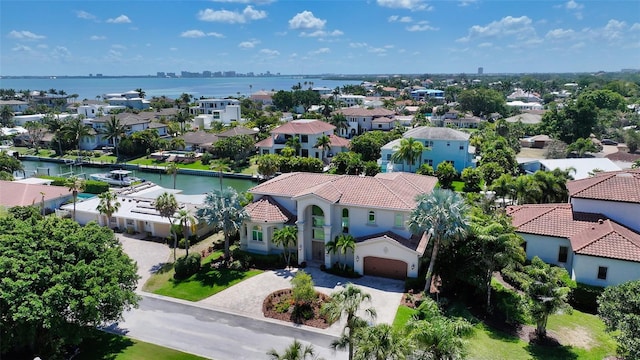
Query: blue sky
x,y
317,36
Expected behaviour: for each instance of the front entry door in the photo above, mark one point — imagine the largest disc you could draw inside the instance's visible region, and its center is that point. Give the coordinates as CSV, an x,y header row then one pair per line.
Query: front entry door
x,y
317,248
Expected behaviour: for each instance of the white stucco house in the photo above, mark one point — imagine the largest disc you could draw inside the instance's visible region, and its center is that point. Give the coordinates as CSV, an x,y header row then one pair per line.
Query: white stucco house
x,y
579,168
130,99
596,236
137,211
308,131
374,210
361,119
441,144
218,110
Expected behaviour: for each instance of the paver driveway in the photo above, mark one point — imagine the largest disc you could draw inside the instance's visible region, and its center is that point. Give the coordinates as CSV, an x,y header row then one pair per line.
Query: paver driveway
x,y
148,255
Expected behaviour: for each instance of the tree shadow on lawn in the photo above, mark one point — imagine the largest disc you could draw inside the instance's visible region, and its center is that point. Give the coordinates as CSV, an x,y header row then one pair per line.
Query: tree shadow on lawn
x,y
102,345
551,351
211,277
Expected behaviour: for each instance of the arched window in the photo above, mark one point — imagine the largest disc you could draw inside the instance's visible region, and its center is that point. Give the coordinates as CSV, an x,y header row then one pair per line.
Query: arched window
x,y
317,220
372,217
345,221
256,233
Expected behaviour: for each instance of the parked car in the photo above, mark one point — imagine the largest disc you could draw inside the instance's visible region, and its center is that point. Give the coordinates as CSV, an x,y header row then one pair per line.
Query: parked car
x,y
608,142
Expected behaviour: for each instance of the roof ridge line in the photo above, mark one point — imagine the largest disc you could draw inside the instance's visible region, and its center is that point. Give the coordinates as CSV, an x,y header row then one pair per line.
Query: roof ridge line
x,y
391,191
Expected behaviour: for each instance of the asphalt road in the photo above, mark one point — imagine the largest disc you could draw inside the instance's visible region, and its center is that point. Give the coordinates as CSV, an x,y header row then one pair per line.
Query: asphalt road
x,y
215,334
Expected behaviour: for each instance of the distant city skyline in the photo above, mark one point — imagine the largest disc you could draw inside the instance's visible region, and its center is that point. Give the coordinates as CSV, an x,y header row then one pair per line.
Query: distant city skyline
x,y
118,38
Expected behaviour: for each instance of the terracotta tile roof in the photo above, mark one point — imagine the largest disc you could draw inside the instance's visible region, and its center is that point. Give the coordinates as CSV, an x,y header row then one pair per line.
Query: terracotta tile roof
x,y
268,142
338,141
267,210
383,120
589,234
391,191
364,112
304,126
18,194
623,186
417,243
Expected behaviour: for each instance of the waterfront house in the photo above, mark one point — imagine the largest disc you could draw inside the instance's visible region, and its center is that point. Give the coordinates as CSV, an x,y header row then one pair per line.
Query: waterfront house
x,y
137,213
596,236
366,119
307,131
34,192
198,141
218,110
130,99
374,210
17,106
441,145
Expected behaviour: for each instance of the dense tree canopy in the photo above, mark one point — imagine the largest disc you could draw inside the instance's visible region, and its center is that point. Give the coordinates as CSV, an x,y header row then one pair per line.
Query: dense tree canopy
x,y
481,101
619,308
368,144
59,277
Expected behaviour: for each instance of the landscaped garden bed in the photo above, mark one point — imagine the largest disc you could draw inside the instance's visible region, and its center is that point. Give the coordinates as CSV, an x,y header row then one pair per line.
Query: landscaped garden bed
x,y
281,306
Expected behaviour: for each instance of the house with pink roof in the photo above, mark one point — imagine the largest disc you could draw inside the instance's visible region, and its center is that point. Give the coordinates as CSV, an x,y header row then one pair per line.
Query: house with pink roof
x,y
374,210
596,236
307,131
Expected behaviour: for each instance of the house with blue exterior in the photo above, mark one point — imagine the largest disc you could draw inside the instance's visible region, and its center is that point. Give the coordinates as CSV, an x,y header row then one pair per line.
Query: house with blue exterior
x,y
427,94
441,145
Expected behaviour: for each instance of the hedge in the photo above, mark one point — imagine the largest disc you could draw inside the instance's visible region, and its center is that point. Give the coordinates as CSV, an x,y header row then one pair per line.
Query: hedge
x,y
90,186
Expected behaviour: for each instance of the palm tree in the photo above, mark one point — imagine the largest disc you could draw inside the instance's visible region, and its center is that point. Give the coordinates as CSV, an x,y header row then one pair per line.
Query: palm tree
x,y
408,151
381,342
75,130
323,142
287,237
182,117
113,132
344,243
108,204
75,185
340,122
141,92
223,209
295,351
443,214
172,169
6,115
327,106
167,205
220,167
346,303
187,221
525,189
503,186
294,143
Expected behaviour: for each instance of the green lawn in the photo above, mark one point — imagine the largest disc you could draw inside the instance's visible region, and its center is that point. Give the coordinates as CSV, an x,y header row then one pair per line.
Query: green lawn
x,y
115,347
205,283
584,331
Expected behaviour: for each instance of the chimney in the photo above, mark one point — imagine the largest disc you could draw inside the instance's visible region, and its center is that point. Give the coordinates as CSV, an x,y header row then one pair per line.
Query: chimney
x,y
600,221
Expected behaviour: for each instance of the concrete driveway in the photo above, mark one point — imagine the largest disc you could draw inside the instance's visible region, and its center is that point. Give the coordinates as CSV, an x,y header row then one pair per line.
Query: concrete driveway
x,y
246,297
148,255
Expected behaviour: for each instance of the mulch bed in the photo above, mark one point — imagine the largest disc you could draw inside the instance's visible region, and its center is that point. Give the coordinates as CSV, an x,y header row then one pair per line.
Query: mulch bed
x,y
279,305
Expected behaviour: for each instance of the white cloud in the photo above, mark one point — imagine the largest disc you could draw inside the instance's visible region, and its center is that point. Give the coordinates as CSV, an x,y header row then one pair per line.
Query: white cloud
x,y
248,44
321,33
60,52
421,26
306,20
122,19
231,17
464,3
635,27
24,35
173,49
613,29
560,34
358,45
269,52
572,5
21,47
402,19
377,50
97,37
320,51
518,28
257,2
405,4
198,34
85,15
485,45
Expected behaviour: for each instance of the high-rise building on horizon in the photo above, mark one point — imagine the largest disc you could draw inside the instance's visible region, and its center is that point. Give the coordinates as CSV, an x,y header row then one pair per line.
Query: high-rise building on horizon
x,y
480,70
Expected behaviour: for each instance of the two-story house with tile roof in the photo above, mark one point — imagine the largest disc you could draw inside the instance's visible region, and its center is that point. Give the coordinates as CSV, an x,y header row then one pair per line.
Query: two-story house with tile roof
x,y
308,131
596,236
366,119
215,110
374,210
440,145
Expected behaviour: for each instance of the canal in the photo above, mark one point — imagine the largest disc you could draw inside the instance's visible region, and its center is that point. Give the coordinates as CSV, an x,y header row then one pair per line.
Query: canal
x,y
189,184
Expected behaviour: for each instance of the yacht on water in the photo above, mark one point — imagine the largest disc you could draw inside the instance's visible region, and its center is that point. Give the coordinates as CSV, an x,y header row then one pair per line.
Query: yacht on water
x,y
117,177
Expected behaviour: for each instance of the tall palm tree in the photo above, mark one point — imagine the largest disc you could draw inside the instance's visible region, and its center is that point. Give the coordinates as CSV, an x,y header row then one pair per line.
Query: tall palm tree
x,y
340,122
55,125
503,186
294,143
526,190
167,205
345,242
6,115
324,143
381,342
223,209
346,303
108,205
187,221
113,132
327,106
444,215
408,152
75,185
295,351
287,237
141,92
182,116
75,130
172,169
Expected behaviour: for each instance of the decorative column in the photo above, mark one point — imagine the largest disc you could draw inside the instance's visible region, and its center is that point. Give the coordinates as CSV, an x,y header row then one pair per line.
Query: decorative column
x,y
301,244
